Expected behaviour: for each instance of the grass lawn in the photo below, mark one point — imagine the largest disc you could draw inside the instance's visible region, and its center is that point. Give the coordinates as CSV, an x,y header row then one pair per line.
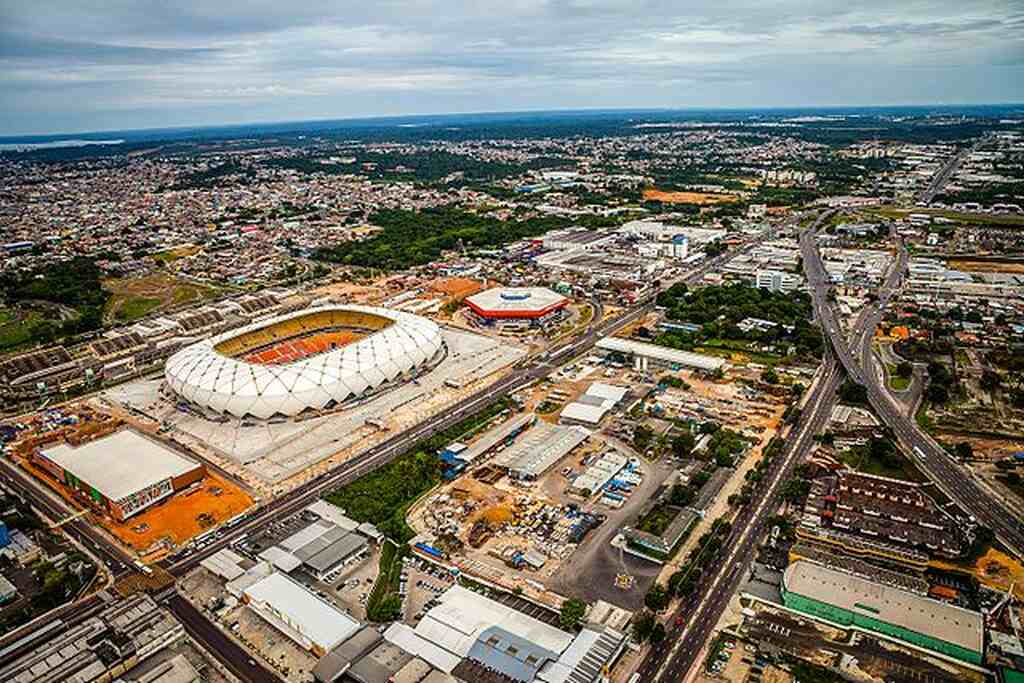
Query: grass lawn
x,y
899,383
860,459
14,332
135,308
176,253
923,420
974,218
734,349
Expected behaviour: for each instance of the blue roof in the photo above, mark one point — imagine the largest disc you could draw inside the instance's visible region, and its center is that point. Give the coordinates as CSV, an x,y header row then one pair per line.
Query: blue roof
x,y
509,654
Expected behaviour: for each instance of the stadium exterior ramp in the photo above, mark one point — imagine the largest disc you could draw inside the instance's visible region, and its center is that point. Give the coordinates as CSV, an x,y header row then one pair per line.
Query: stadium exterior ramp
x,y
209,373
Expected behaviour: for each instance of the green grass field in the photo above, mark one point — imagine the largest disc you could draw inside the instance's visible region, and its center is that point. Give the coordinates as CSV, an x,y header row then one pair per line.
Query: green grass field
x,y
860,459
135,308
15,333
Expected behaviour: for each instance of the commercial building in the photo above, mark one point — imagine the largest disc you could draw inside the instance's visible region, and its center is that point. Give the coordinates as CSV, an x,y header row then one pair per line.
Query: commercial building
x,y
122,473
852,601
777,281
522,306
299,614
661,356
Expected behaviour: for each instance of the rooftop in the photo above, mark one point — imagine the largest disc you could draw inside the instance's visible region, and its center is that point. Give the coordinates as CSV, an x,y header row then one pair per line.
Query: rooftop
x,y
662,353
894,606
120,464
317,620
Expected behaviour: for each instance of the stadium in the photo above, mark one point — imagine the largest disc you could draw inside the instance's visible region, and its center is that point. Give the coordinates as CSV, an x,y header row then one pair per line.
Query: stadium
x,y
516,306
312,359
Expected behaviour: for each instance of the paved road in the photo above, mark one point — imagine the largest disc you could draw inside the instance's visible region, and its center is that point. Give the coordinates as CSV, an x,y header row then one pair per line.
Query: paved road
x,y
952,477
943,175
703,608
230,654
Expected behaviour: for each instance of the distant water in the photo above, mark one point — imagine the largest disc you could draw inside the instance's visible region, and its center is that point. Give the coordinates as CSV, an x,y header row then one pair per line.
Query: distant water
x,y
54,144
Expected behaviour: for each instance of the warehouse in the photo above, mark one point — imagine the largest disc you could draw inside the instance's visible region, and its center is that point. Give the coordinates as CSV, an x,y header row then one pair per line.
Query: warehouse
x,y
300,615
123,473
320,548
660,355
849,600
590,408
539,448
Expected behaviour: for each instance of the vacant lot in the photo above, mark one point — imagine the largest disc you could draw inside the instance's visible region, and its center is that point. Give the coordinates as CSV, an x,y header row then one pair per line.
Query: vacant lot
x,y
688,197
985,266
134,298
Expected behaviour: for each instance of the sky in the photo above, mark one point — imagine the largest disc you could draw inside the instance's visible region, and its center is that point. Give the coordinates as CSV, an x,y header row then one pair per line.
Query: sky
x,y
72,66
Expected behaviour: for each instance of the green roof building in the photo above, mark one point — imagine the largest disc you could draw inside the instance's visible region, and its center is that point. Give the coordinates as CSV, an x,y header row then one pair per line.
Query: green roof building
x,y
851,601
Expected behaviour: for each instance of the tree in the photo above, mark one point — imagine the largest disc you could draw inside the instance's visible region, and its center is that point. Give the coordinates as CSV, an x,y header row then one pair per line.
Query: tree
x,y
656,598
904,369
657,633
937,394
643,625
769,375
990,380
963,450
851,392
682,444
571,614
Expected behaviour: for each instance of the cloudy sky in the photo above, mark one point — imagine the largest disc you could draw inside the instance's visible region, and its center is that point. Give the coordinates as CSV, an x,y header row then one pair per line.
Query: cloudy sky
x,y
69,66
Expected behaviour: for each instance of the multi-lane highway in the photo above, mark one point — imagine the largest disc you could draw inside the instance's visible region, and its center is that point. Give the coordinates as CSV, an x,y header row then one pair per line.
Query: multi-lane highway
x,y
702,609
952,477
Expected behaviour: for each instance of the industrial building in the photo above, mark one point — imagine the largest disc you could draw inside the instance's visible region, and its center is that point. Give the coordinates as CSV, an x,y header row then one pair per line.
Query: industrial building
x,y
851,601
122,473
475,638
534,453
590,408
104,647
299,614
522,307
645,355
319,548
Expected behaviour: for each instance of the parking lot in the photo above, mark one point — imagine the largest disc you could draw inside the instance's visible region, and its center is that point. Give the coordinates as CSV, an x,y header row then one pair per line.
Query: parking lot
x,y
423,584
348,586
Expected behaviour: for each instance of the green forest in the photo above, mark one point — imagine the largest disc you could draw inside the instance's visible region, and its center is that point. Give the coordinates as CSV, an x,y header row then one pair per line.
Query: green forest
x,y
720,309
413,238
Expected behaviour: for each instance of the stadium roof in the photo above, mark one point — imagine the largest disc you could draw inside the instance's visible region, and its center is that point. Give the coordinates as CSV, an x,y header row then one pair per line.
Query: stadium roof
x,y
540,448
204,376
516,302
894,606
315,619
662,353
120,464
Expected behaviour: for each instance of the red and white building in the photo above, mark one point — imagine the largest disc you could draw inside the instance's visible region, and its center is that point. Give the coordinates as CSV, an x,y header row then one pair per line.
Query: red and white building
x,y
517,307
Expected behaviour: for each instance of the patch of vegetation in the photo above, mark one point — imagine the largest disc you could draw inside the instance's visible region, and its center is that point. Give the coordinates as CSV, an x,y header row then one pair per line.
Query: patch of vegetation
x,y
881,457
720,309
414,238
135,308
383,496
571,615
384,602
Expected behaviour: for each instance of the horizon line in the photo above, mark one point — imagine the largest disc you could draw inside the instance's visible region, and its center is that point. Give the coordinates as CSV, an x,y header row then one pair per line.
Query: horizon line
x,y
20,137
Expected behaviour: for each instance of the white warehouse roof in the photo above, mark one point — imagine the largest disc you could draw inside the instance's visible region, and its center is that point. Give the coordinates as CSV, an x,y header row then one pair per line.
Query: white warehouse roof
x,y
662,353
309,616
120,464
201,374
